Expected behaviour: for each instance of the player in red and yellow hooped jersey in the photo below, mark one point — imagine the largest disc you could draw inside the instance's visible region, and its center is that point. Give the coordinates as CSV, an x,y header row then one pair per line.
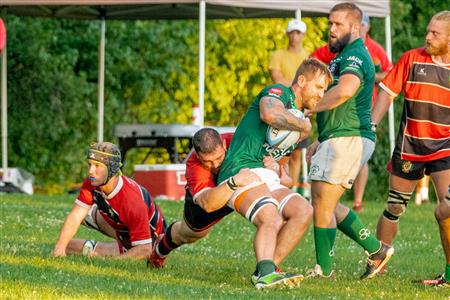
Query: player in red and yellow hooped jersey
x,y
423,139
114,205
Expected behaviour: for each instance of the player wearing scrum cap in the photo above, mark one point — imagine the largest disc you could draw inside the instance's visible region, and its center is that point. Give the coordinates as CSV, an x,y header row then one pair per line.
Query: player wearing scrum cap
x,y
280,215
114,205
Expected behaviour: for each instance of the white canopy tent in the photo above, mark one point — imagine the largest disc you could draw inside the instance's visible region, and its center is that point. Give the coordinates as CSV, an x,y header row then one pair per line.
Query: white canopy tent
x,y
172,9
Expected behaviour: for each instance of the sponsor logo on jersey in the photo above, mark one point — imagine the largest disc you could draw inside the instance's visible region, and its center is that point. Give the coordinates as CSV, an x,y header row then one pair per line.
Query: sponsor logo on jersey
x,y
333,67
355,59
277,154
421,72
275,92
354,65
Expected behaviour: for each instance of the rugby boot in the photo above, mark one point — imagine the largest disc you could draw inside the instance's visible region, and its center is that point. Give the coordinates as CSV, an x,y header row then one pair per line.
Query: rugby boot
x,y
438,282
317,272
377,260
276,279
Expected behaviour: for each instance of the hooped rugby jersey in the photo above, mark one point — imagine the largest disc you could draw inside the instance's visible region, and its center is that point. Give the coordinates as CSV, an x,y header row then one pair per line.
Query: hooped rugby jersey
x,y
200,179
129,209
424,133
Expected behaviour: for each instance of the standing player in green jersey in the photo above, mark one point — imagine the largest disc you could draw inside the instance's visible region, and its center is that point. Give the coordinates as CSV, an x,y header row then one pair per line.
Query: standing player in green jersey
x,y
345,143
280,215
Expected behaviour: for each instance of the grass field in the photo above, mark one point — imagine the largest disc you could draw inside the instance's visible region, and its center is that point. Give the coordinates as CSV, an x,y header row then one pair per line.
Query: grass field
x,y
216,267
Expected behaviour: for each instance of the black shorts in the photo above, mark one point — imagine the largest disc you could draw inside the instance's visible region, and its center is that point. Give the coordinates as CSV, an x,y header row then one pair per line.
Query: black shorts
x,y
415,170
198,219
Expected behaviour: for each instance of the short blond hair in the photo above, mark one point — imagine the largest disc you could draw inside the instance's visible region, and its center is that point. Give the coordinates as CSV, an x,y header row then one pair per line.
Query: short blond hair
x,y
310,66
443,16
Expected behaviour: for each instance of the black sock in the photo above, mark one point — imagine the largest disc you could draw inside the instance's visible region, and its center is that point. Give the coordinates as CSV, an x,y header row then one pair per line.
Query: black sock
x,y
166,245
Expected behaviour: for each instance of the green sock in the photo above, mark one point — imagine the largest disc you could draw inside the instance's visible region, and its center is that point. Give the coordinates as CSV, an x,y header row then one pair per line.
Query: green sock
x,y
352,227
447,272
324,241
265,267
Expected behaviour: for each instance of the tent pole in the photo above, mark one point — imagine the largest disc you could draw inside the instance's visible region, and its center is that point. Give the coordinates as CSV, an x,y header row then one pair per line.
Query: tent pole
x,y
201,62
391,108
4,96
304,179
101,79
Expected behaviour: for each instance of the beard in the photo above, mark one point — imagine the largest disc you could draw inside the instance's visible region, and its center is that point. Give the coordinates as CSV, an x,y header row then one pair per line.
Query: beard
x,y
339,44
436,50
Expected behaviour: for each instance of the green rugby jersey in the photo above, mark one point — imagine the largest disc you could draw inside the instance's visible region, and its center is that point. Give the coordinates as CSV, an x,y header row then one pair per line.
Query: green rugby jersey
x,y
248,146
353,117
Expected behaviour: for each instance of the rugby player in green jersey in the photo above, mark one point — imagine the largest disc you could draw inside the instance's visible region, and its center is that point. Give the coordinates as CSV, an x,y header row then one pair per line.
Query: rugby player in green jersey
x,y
345,143
280,215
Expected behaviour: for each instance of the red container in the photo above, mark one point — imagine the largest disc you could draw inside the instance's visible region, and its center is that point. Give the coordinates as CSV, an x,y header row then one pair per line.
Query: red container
x,y
162,181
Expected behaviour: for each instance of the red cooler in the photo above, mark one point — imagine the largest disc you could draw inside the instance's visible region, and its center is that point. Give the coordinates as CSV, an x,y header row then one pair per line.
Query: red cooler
x,y
162,181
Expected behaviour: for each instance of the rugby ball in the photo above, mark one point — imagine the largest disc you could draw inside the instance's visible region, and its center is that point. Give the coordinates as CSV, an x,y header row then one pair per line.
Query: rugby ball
x,y
280,138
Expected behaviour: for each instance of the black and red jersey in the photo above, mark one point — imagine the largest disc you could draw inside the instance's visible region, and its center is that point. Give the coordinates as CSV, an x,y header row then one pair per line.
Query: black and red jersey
x,y
129,209
198,177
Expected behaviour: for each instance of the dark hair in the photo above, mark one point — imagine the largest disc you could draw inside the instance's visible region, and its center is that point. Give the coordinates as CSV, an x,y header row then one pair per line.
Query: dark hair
x,y
206,140
351,8
309,67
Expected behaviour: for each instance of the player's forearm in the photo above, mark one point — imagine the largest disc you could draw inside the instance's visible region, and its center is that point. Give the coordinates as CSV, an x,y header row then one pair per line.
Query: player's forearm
x,y
382,104
346,88
68,231
333,98
283,119
285,179
215,198
273,113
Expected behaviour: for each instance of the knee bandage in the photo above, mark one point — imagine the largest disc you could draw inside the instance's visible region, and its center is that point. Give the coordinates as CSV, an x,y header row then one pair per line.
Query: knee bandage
x,y
257,205
285,201
398,200
88,247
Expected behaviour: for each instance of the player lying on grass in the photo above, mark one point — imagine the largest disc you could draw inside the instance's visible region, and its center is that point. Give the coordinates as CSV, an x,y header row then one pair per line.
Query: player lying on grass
x,y
280,215
114,205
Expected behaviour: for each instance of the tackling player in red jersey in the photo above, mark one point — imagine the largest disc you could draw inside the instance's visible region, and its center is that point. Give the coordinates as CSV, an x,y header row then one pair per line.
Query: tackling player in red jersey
x,y
204,201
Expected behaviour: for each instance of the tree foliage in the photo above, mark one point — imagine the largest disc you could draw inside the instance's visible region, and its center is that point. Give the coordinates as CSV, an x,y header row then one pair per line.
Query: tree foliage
x,y
151,77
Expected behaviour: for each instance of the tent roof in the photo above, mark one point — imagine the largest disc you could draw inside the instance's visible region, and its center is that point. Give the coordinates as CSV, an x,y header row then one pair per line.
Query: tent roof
x,y
181,9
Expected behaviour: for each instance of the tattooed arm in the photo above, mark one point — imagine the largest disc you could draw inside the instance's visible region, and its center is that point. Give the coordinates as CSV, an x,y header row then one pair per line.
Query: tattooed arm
x,y
273,112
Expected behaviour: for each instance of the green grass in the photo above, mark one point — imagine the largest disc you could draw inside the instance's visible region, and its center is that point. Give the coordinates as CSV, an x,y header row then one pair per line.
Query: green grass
x,y
216,267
